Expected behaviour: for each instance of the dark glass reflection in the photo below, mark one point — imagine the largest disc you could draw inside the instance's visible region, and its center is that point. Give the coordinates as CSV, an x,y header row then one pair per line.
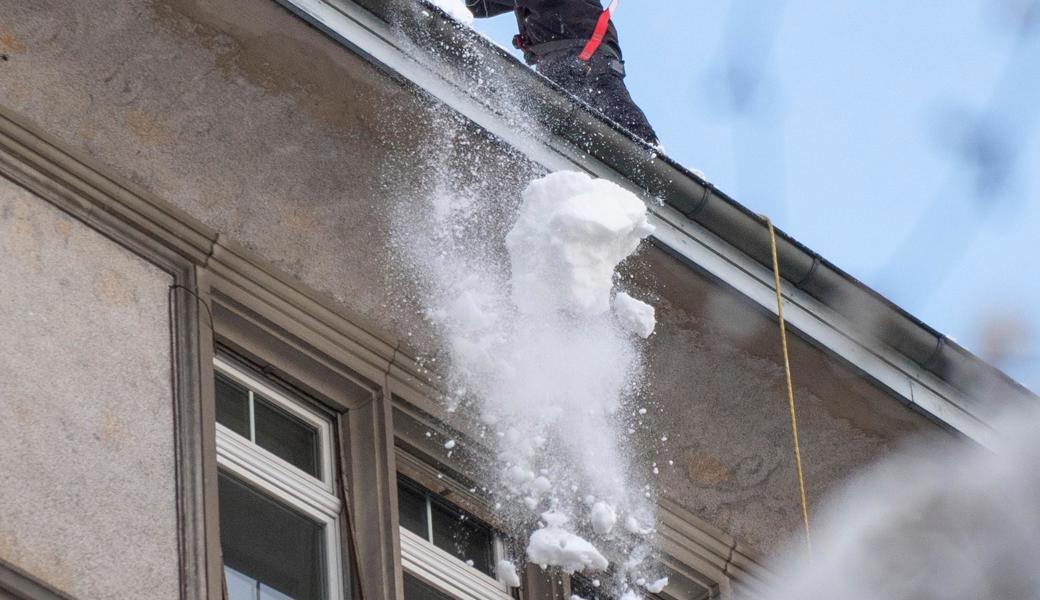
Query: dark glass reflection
x,y
457,533
582,586
454,530
286,436
232,406
270,551
411,505
414,589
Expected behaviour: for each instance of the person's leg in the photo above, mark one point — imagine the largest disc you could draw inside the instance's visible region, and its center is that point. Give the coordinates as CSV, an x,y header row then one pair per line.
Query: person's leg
x,y
600,86
611,97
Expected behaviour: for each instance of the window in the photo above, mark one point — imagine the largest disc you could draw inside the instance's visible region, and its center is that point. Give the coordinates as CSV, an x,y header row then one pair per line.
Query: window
x,y
279,514
446,526
446,552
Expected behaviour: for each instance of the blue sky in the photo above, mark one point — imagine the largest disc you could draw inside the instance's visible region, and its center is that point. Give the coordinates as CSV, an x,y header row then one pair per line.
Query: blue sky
x,y
901,140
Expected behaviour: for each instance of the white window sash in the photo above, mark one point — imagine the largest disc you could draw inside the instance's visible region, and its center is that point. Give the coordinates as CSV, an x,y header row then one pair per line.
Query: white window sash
x,y
447,573
277,478
321,424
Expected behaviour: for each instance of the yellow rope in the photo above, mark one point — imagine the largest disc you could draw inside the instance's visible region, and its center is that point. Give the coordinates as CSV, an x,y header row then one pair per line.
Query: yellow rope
x,y
790,387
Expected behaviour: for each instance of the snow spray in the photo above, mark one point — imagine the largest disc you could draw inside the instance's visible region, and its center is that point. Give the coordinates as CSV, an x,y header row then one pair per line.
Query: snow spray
x,y
544,350
954,521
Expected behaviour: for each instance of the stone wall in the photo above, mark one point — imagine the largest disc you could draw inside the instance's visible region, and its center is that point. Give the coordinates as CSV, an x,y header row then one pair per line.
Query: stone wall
x,y
87,478
718,394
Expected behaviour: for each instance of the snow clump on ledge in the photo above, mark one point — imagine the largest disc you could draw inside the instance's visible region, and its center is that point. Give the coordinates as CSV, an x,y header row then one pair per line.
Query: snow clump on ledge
x,y
571,234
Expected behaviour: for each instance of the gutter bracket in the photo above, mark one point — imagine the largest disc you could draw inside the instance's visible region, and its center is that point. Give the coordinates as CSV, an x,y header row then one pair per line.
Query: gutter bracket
x,y
933,358
702,202
816,262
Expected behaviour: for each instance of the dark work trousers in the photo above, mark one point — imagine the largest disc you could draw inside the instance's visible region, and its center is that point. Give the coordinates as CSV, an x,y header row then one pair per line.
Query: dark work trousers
x,y
600,84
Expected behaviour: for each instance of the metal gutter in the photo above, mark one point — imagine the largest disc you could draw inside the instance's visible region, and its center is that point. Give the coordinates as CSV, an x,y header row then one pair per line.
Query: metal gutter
x,y
695,221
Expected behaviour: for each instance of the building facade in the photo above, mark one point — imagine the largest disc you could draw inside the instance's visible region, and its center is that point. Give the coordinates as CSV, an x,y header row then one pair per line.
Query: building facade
x,y
210,383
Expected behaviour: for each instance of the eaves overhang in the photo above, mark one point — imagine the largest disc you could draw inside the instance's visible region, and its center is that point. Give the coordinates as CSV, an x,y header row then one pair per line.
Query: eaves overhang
x,y
695,221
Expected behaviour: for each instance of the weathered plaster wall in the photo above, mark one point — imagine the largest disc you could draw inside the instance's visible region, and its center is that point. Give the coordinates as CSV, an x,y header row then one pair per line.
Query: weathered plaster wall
x,y
87,495
254,123
248,119
718,394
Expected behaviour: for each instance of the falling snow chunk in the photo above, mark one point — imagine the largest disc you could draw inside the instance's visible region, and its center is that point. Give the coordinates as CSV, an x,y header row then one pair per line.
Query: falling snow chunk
x,y
633,526
555,519
518,475
555,546
469,310
658,586
571,234
505,571
456,9
540,486
634,316
603,518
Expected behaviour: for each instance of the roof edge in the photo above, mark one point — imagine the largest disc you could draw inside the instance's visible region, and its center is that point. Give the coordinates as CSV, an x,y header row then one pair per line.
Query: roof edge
x,y
702,224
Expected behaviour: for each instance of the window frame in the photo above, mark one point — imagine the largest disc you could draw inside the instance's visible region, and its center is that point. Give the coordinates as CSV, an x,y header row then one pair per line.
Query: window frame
x,y
321,424
312,497
446,573
442,570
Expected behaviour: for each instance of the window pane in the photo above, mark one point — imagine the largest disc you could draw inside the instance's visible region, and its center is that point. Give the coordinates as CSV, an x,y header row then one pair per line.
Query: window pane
x,y
271,544
286,436
232,406
239,586
414,589
267,593
457,533
582,586
411,506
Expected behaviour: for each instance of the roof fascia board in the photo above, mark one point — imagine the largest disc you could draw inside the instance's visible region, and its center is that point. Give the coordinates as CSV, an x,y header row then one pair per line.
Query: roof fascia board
x,y
365,33
360,30
821,324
